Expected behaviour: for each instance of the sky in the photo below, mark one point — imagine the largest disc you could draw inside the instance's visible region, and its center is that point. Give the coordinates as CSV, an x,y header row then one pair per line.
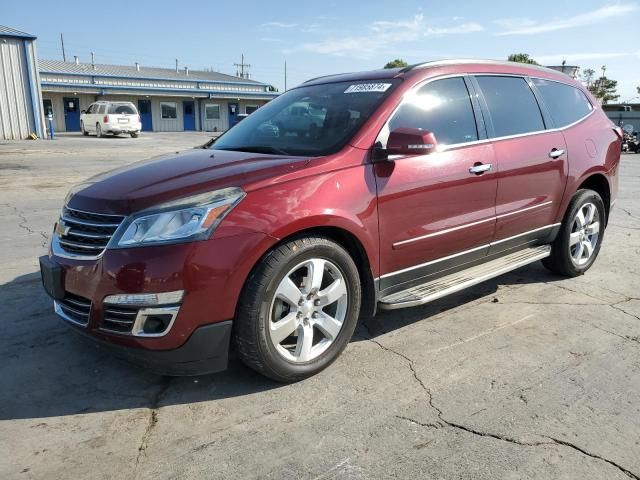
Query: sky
x,y
320,38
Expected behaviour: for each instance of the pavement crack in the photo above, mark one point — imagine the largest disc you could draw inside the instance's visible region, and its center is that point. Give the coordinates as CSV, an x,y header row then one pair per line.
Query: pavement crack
x,y
628,212
443,422
152,422
629,473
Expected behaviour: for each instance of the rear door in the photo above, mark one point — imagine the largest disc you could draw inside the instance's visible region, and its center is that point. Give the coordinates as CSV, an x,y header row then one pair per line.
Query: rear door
x,y
434,213
532,161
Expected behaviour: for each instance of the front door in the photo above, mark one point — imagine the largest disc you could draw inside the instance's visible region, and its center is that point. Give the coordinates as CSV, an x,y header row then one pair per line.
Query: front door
x,y
234,110
189,115
532,162
435,214
144,109
71,114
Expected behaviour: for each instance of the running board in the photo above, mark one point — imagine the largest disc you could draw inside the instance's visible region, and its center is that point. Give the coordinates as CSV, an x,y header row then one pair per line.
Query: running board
x,y
427,292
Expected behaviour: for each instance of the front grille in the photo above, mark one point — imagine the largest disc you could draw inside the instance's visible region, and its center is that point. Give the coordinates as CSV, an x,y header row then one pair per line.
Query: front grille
x,y
84,233
119,319
75,308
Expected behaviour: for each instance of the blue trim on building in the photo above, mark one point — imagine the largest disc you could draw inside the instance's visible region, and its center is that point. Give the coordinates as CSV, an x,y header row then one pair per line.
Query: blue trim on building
x,y
190,80
33,88
103,89
16,34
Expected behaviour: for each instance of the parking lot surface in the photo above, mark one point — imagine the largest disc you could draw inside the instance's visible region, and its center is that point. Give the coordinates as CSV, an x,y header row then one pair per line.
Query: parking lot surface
x,y
527,376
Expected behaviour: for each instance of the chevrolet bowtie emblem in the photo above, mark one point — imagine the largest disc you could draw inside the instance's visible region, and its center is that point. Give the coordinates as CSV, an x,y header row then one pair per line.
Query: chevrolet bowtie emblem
x,y
62,229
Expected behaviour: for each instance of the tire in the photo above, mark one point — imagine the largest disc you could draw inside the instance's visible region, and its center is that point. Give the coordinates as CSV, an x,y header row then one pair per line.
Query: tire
x,y
134,134
265,299
98,130
573,260
84,132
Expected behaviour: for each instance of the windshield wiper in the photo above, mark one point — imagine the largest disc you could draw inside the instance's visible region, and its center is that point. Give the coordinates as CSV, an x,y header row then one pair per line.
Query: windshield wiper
x,y
258,149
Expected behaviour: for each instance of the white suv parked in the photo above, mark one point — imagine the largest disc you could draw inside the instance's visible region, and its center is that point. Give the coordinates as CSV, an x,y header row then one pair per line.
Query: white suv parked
x,y
111,117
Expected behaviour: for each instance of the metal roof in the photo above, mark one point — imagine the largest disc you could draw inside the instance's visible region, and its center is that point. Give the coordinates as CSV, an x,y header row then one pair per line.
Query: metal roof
x,y
12,32
130,71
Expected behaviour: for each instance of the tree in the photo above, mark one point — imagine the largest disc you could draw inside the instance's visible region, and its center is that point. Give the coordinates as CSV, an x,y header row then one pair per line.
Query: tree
x,y
397,63
587,76
604,89
522,58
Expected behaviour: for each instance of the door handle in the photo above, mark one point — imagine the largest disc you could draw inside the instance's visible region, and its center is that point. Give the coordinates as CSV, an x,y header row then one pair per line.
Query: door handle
x,y
480,168
556,153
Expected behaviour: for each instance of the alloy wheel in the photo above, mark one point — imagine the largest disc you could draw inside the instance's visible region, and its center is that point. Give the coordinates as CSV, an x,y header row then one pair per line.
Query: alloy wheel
x,y
308,310
585,234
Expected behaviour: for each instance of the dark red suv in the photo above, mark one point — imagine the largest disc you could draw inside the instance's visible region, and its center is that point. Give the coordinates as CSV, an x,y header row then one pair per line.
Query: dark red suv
x,y
400,186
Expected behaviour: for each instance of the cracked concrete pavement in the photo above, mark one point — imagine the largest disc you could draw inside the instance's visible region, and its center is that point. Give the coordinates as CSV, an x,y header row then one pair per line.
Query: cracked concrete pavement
x,y
526,376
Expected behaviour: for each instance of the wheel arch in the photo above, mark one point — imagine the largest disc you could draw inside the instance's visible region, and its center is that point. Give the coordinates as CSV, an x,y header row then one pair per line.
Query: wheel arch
x,y
352,244
598,182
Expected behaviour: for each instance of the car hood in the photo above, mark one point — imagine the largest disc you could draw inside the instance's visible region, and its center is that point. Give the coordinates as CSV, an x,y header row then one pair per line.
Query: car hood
x,y
170,177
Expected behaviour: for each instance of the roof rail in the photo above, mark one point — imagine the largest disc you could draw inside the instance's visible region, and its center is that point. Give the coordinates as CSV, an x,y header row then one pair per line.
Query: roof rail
x,y
436,63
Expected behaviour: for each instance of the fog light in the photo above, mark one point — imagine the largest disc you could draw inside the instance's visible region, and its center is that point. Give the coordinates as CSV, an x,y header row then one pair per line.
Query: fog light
x,y
154,322
145,299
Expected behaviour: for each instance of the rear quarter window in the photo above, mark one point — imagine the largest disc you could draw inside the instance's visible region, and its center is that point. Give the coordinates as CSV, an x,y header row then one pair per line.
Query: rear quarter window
x,y
513,108
566,104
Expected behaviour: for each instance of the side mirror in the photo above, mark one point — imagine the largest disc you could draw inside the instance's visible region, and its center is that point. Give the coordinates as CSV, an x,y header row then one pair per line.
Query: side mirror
x,y
83,111
411,141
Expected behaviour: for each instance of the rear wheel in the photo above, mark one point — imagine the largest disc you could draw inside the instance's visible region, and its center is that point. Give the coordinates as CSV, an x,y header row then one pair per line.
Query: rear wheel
x,y
134,134
298,310
578,242
98,130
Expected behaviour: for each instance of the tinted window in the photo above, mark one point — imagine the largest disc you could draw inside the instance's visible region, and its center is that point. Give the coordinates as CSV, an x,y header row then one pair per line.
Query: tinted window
x,y
102,108
512,105
566,104
442,107
122,109
311,120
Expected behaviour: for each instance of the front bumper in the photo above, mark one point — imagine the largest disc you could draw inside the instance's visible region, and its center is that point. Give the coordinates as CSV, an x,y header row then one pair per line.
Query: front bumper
x,y
211,273
206,351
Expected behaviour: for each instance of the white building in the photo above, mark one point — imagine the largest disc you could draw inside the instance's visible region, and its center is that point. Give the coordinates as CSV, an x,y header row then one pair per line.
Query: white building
x,y
20,100
167,99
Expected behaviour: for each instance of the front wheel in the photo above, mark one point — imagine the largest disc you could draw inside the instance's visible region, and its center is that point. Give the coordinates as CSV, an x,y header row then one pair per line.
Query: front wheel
x,y
134,134
84,132
578,242
298,310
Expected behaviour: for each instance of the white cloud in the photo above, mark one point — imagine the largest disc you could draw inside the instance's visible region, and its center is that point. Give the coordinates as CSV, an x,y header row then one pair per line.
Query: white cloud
x,y
525,26
279,25
382,36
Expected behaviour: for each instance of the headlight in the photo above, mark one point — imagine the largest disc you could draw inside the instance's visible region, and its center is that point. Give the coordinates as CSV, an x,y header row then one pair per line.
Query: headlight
x,y
187,219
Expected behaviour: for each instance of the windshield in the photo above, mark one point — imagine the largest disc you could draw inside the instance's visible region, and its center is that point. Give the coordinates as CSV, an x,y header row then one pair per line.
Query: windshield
x,y
122,108
308,121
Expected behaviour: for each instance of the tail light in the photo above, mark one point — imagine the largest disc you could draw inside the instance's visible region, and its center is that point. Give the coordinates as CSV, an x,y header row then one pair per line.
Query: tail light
x,y
106,119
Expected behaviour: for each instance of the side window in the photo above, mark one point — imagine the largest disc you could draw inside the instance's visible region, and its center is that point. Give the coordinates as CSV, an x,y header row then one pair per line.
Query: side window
x,y
442,107
102,109
89,110
512,106
566,104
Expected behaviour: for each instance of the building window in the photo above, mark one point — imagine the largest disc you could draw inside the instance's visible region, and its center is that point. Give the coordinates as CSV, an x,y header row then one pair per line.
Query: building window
x,y
250,109
169,110
212,111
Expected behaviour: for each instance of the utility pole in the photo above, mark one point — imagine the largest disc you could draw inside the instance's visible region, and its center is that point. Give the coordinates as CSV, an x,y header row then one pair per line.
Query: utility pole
x,y
240,68
285,75
64,56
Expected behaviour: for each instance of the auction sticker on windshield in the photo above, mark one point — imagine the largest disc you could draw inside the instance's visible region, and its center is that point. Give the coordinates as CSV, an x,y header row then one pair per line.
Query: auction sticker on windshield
x,y
368,87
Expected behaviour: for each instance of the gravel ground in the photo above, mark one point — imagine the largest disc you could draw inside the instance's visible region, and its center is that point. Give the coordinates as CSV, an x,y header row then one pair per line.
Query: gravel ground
x,y
526,376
